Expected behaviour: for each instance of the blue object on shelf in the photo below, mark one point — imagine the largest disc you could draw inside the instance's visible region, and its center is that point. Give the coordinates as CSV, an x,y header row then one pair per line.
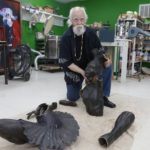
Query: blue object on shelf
x,y
106,34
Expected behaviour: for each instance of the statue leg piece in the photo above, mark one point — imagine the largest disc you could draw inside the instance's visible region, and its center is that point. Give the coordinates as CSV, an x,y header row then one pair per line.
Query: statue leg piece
x,y
12,131
122,123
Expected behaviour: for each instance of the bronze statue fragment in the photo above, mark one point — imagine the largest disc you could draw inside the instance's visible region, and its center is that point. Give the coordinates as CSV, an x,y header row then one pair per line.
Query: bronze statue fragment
x,y
52,129
92,93
123,122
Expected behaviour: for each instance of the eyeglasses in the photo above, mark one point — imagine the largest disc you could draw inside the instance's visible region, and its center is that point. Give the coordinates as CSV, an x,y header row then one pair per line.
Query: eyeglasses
x,y
78,20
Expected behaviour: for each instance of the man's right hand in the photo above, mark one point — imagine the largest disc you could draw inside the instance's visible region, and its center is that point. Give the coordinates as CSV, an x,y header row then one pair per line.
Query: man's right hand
x,y
75,68
83,74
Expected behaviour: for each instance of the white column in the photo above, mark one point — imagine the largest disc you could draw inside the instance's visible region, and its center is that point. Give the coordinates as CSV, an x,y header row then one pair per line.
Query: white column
x,y
123,44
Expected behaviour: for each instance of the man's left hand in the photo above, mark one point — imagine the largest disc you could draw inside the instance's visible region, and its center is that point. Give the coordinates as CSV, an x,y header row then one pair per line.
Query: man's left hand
x,y
107,63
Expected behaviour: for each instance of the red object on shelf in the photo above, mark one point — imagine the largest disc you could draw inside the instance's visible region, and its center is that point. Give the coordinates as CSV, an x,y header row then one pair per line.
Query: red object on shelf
x,y
2,34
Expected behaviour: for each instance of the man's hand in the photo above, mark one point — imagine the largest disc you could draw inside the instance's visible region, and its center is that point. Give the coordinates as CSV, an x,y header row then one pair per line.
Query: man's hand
x,y
83,74
107,63
77,69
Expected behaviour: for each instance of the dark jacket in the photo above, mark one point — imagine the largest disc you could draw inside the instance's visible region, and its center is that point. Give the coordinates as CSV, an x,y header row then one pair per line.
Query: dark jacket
x,y
67,52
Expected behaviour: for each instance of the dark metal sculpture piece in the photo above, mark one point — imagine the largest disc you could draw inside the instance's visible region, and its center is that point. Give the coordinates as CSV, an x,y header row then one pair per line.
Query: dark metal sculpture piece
x,y
95,67
12,130
41,109
92,93
122,123
93,98
53,130
67,103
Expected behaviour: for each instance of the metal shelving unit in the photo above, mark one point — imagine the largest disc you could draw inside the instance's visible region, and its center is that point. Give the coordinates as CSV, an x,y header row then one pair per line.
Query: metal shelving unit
x,y
121,32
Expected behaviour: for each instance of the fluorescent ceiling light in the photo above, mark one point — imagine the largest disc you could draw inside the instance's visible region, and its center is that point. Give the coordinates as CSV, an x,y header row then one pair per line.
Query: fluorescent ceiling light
x,y
67,1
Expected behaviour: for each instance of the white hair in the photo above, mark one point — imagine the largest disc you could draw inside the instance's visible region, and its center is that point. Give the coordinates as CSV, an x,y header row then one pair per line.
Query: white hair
x,y
74,9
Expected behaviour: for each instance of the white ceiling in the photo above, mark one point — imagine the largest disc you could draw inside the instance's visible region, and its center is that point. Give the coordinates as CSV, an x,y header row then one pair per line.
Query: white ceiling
x,y
67,1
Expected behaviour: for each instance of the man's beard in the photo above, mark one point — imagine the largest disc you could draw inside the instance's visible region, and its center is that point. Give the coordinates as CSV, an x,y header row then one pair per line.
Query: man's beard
x,y
79,30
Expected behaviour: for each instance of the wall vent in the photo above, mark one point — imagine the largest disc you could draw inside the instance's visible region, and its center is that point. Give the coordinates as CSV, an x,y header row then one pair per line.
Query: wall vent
x,y
144,10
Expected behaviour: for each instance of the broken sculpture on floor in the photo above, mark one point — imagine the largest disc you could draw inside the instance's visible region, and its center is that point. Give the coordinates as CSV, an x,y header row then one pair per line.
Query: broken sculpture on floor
x,y
52,129
122,124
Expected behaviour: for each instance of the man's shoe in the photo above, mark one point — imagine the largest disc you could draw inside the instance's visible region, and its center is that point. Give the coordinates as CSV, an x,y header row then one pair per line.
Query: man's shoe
x,y
108,103
67,103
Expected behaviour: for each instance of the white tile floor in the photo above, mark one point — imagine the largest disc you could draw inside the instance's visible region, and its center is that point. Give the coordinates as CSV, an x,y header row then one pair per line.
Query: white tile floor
x,y
19,96
133,87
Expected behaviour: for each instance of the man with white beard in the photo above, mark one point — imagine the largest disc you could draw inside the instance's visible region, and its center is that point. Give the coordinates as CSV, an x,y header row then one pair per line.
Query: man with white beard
x,y
76,48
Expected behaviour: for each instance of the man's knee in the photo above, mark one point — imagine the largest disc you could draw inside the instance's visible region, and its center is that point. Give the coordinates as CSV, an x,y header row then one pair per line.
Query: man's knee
x,y
73,96
73,92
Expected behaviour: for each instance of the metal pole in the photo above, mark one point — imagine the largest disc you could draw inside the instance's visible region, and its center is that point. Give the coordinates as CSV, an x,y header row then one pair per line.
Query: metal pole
x,y
5,63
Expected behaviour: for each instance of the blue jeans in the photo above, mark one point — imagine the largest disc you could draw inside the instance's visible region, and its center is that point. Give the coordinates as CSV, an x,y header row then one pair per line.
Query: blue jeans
x,y
73,90
107,77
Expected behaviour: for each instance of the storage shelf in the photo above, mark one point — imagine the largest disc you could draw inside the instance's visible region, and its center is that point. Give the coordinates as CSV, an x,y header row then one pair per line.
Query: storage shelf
x,y
41,16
